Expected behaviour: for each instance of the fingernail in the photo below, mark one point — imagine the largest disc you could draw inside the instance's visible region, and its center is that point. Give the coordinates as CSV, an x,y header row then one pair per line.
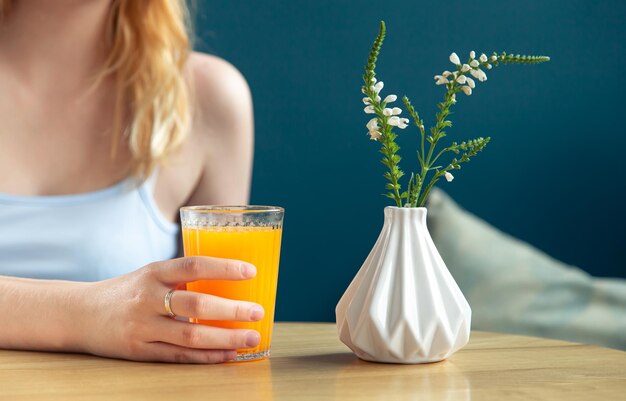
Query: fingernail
x,y
248,270
253,339
257,312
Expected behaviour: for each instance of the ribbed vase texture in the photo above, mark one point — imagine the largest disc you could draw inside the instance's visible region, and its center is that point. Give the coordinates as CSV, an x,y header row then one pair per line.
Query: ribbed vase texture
x,y
403,306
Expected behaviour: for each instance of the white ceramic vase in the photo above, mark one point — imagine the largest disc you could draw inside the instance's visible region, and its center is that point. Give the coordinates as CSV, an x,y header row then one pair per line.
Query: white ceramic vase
x,y
403,306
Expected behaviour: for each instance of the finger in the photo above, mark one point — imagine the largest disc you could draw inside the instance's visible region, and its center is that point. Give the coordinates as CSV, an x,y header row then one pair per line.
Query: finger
x,y
163,352
211,307
199,336
192,268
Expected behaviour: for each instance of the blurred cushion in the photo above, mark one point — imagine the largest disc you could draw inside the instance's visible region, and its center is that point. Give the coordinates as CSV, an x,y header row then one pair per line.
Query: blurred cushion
x,y
513,287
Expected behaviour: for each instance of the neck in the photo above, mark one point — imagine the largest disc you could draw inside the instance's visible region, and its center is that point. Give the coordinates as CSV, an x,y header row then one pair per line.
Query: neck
x,y
55,42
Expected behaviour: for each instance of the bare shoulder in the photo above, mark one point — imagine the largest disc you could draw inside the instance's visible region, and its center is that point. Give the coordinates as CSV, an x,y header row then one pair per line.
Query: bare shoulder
x,y
220,92
215,162
222,129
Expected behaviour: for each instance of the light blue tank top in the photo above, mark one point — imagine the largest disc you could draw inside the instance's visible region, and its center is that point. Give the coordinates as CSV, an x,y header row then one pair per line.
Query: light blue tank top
x,y
84,237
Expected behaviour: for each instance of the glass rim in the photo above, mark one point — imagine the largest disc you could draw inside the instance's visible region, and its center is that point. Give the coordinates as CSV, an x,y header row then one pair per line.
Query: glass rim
x,y
238,209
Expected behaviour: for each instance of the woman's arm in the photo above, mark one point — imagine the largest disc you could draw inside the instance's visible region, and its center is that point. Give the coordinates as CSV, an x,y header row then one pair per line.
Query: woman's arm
x,y
125,317
38,314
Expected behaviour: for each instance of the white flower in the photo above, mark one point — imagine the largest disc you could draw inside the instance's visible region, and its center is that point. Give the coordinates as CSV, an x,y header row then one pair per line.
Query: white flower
x,y
373,80
474,63
454,98
392,112
377,98
461,79
483,58
441,80
396,121
390,98
446,73
465,68
471,82
466,89
449,176
369,110
366,100
363,89
494,58
454,59
372,125
378,87
472,54
375,135
488,66
479,74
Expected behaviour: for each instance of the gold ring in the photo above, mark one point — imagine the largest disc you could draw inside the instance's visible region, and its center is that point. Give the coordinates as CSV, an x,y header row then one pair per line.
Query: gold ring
x,y
168,303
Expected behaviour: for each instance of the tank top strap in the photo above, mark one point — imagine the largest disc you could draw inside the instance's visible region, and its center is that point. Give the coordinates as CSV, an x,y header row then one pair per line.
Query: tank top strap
x,y
146,192
150,182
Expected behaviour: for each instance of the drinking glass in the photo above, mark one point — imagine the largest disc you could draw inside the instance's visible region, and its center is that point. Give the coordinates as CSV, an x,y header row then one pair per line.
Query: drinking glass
x,y
249,233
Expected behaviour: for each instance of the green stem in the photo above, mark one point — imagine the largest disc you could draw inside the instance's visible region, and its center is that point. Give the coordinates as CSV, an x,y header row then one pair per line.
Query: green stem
x,y
390,148
393,166
436,135
422,154
422,200
448,149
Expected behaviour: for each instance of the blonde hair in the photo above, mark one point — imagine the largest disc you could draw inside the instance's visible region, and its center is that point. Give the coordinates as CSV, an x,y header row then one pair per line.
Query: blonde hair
x,y
149,46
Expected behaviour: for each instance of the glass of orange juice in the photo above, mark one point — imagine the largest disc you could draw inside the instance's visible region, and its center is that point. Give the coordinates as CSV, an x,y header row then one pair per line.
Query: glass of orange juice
x,y
249,233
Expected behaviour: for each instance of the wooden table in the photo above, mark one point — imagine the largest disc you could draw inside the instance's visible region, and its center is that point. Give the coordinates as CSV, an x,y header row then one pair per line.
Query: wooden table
x,y
309,363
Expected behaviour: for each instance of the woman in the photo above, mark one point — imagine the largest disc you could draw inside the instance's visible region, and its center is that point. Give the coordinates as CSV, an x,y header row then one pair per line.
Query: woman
x,y
109,125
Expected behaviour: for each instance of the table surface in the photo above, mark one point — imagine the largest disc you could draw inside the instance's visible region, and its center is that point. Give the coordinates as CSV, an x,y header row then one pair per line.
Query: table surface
x,y
309,363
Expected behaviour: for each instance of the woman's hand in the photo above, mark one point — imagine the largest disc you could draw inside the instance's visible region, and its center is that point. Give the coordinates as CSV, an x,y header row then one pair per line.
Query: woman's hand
x,y
125,317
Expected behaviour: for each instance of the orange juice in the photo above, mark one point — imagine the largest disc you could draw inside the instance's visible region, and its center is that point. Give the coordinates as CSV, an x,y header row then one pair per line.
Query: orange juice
x,y
257,245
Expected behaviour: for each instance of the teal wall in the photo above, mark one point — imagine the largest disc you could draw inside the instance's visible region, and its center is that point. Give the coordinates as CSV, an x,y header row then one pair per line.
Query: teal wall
x,y
553,174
